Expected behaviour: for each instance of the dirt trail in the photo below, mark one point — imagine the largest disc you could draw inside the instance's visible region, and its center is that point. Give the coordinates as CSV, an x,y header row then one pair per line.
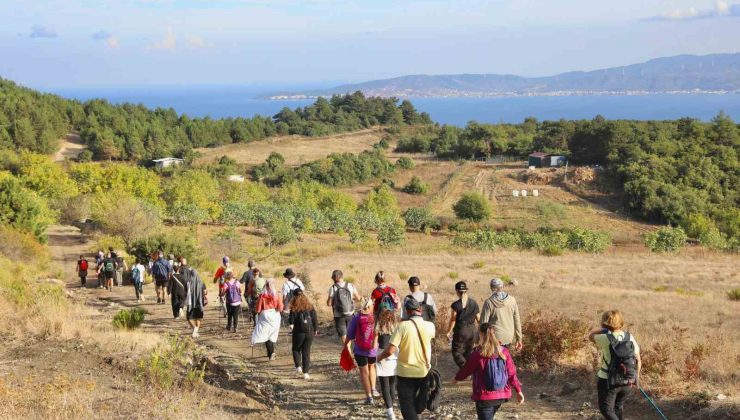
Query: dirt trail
x,y
330,394
69,148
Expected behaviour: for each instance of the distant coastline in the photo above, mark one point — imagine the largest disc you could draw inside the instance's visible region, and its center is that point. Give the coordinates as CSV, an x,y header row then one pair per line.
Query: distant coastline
x,y
465,94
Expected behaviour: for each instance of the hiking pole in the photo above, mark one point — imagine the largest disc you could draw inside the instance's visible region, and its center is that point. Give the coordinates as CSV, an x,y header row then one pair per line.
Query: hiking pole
x,y
652,403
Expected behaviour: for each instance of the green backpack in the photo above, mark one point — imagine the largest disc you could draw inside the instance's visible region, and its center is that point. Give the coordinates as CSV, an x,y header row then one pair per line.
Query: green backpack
x,y
108,266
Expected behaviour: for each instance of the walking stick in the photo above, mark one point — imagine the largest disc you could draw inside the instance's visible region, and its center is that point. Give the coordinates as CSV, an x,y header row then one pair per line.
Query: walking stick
x,y
652,403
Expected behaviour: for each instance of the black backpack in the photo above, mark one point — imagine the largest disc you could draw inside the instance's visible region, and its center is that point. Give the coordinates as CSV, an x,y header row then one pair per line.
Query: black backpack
x,y
622,370
342,301
427,311
302,323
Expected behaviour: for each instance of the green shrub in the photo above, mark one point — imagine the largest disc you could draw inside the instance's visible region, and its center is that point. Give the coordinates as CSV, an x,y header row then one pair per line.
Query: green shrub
x,y
666,239
404,163
24,209
453,275
384,143
85,156
178,245
552,250
416,187
734,294
472,206
478,265
421,219
129,318
549,241
392,232
590,241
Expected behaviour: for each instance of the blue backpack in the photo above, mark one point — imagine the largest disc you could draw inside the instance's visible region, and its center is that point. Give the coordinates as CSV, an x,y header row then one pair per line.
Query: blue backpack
x,y
495,376
136,274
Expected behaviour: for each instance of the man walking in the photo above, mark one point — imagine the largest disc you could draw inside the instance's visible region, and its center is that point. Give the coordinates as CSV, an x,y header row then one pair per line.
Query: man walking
x,y
176,290
342,296
161,270
502,311
428,307
292,283
413,340
196,295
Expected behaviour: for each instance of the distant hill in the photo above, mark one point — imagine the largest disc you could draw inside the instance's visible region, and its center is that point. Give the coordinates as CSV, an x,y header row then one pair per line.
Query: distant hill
x,y
683,73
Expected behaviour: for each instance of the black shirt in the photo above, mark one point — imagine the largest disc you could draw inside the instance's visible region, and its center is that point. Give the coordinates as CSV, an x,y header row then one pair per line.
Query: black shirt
x,y
465,316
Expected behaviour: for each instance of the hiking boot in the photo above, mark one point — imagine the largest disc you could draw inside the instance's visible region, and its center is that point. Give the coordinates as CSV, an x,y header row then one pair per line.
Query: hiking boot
x,y
306,376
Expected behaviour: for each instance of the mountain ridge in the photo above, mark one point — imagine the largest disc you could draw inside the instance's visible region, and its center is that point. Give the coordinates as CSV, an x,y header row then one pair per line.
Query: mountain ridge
x,y
717,73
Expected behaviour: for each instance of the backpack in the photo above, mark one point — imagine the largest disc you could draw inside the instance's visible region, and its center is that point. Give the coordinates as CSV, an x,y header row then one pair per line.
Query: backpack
x,y
342,302
434,397
233,295
622,370
302,323
136,274
109,266
365,333
495,376
259,286
159,269
83,265
427,311
386,299
290,294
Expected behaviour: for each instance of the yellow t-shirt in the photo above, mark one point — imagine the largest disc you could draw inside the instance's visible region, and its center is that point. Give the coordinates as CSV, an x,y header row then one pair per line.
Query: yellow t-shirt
x,y
411,361
602,343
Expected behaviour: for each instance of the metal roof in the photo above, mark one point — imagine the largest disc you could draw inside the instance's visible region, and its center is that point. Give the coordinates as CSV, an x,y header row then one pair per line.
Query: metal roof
x,y
539,154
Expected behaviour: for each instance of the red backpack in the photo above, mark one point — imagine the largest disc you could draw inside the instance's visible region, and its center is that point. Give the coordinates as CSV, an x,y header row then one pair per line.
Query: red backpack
x,y
365,334
83,265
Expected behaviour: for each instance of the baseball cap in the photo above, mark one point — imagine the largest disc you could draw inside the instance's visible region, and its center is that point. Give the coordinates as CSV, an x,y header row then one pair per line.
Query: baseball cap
x,y
496,282
414,281
225,260
461,286
411,304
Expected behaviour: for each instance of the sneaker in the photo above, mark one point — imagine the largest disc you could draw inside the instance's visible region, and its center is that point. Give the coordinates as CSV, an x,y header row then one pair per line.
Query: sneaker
x,y
195,334
273,357
299,370
376,393
369,401
390,414
306,376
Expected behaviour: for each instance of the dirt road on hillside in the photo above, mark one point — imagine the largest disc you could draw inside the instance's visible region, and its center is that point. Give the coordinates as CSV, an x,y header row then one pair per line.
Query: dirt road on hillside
x,y
69,147
330,394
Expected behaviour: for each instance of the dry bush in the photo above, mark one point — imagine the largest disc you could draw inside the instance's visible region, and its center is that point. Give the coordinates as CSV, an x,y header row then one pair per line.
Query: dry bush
x,y
584,175
21,246
551,339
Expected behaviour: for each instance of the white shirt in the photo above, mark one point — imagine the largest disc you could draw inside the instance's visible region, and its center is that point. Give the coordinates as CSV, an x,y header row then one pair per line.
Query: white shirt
x,y
292,284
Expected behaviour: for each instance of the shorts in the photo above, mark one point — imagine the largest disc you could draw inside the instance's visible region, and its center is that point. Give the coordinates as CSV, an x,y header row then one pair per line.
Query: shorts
x,y
195,313
364,360
340,323
160,281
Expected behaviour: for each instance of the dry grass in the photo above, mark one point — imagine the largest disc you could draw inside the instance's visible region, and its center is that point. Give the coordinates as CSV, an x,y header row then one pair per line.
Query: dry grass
x,y
296,149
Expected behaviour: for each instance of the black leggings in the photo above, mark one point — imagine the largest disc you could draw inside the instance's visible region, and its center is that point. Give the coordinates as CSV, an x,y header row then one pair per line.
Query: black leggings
x,y
387,387
302,350
611,401
233,313
463,340
270,346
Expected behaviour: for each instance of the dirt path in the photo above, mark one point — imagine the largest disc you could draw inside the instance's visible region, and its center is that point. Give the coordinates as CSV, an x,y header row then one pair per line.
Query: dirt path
x,y
330,394
69,148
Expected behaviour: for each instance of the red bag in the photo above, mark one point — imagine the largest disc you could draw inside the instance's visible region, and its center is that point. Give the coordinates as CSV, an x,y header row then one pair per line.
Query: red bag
x,y
346,361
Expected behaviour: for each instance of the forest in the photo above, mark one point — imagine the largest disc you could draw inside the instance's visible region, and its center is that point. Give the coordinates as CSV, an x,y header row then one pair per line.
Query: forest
x,y
35,121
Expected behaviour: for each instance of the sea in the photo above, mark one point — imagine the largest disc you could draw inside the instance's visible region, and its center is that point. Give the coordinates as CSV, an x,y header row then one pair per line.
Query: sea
x,y
244,101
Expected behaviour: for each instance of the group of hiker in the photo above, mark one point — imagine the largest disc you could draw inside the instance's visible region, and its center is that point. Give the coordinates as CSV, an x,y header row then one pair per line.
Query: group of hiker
x,y
390,339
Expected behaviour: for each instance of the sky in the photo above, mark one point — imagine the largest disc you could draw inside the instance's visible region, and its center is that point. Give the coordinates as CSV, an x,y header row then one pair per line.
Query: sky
x,y
144,43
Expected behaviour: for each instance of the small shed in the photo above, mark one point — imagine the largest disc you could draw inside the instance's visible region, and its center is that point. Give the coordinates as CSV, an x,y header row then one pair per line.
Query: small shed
x,y
168,161
235,178
539,159
557,160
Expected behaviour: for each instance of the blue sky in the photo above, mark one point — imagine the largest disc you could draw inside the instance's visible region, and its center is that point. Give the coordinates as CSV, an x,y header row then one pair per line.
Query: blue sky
x,y
93,43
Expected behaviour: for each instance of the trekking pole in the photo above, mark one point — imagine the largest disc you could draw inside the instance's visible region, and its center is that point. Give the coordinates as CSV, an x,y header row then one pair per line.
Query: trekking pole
x,y
652,403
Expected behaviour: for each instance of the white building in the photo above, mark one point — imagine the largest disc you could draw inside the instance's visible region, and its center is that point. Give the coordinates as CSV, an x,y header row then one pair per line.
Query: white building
x,y
168,161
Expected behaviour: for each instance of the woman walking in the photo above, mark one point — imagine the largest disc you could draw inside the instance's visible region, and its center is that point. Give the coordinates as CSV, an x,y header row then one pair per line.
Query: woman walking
x,y
361,329
304,323
613,384
387,367
268,308
233,295
196,296
462,328
490,354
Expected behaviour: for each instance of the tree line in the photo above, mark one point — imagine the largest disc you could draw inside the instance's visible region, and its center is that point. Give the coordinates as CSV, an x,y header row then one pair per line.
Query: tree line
x,y
34,121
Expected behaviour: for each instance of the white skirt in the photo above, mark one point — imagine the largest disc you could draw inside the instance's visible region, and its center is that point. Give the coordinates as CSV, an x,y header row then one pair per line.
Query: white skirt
x,y
267,328
387,367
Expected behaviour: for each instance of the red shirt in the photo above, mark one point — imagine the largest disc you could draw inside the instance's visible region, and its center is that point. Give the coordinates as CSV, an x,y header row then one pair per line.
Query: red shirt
x,y
378,293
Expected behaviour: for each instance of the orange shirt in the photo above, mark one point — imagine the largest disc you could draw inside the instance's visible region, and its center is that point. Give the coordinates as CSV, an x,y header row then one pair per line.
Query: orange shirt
x,y
266,301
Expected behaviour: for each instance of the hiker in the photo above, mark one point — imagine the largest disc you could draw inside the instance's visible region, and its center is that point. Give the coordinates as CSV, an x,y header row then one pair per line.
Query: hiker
x,y
248,275
386,368
383,293
502,311
176,290
620,364
82,266
428,307
494,374
305,326
196,296
268,308
138,273
461,330
99,257
121,267
253,292
292,283
218,277
233,296
342,298
413,341
161,271
107,269
361,330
